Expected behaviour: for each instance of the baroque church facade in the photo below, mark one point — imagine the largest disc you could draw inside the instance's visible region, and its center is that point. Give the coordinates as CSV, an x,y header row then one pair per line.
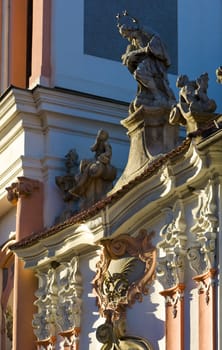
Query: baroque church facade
x,y
110,182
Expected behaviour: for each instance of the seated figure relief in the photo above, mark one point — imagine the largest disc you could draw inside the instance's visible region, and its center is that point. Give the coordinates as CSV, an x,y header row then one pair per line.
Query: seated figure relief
x,y
89,180
95,177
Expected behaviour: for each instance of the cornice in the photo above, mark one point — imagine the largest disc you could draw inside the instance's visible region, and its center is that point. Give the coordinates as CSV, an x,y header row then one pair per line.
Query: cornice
x,y
76,238
87,107
169,177
170,181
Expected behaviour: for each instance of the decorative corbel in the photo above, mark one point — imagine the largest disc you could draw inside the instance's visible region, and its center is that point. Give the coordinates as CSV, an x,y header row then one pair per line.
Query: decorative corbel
x,y
23,188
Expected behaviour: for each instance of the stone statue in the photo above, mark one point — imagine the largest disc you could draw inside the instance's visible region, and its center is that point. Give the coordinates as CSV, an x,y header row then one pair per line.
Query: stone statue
x,y
66,182
96,176
219,74
195,108
148,61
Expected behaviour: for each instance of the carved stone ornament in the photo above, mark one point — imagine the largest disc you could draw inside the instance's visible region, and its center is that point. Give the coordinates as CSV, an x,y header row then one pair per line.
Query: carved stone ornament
x,y
172,248
91,180
148,61
95,177
205,283
125,269
66,183
147,122
195,109
106,335
24,187
173,296
58,302
202,253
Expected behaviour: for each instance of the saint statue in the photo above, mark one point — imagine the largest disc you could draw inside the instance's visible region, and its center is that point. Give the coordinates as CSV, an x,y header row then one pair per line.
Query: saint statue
x,y
148,61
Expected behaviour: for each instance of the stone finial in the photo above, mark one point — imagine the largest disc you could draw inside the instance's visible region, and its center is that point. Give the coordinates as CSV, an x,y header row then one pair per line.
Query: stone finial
x,y
194,109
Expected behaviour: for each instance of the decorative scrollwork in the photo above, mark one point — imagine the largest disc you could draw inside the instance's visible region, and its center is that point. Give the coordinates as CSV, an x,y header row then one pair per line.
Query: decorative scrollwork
x,y
172,247
125,269
24,187
202,253
58,301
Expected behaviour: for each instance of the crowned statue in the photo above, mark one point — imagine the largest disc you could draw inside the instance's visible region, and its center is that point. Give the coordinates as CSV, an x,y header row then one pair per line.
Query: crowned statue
x,y
148,61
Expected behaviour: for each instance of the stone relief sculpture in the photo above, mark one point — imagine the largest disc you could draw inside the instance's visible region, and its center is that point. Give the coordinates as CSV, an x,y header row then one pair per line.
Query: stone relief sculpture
x,y
89,180
172,253
202,253
96,176
171,265
126,268
59,303
66,182
147,60
195,109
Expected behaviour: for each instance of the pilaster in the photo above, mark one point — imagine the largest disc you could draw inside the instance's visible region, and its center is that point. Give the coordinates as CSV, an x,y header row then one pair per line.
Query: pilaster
x,y
27,194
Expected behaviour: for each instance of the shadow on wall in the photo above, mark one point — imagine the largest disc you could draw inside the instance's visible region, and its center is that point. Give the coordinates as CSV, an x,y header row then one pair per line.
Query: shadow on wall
x,y
143,318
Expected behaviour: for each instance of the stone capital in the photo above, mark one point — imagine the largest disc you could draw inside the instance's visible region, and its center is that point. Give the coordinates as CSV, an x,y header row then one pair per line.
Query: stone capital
x,y
24,187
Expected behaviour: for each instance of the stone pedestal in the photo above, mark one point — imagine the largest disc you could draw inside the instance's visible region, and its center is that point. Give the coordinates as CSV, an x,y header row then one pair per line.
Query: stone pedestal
x,y
150,135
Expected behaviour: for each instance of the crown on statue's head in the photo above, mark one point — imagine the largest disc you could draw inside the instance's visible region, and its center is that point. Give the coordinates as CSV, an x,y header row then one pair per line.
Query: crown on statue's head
x,y
129,22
